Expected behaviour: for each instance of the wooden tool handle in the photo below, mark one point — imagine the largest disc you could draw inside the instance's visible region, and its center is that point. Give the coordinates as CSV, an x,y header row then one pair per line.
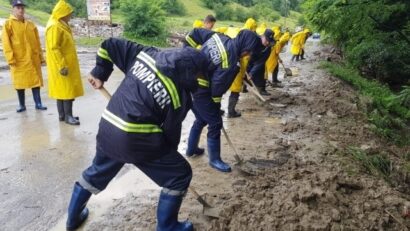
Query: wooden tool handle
x,y
105,93
236,156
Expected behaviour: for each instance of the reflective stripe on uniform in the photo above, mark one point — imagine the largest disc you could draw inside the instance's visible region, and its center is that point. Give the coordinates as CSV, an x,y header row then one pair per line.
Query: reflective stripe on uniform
x,y
169,85
222,50
130,127
191,41
217,99
203,82
104,54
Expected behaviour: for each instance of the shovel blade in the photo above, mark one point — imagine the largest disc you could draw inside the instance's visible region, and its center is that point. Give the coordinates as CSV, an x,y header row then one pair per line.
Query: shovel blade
x,y
211,212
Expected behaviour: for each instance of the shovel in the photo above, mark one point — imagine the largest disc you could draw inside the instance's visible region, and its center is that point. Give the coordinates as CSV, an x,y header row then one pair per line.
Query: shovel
x,y
207,209
288,71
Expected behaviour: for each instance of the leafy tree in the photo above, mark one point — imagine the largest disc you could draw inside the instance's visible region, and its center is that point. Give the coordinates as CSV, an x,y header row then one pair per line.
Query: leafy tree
x,y
373,34
143,18
173,7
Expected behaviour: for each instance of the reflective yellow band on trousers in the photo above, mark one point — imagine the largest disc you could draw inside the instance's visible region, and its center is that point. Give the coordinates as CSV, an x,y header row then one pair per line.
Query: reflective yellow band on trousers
x,y
217,99
104,54
130,127
203,82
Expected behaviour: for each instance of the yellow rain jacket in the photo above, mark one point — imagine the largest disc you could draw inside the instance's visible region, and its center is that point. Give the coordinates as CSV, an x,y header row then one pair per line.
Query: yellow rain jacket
x,y
304,37
232,32
22,49
221,29
296,43
250,24
261,28
278,33
60,53
272,61
198,24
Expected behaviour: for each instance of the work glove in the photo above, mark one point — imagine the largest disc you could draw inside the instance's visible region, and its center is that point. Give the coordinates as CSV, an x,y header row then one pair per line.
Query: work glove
x,y
64,71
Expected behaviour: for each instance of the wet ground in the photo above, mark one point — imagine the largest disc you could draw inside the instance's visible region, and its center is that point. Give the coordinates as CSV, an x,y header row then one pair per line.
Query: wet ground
x,y
302,184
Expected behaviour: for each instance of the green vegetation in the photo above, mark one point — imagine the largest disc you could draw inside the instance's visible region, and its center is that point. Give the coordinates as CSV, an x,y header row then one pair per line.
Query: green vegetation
x,y
374,35
143,18
89,41
375,164
389,112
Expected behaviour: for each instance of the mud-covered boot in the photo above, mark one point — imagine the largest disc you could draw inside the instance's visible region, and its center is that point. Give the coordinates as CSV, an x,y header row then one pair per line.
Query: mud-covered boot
x,y
68,113
262,91
167,213
233,100
77,211
22,100
214,152
193,141
37,99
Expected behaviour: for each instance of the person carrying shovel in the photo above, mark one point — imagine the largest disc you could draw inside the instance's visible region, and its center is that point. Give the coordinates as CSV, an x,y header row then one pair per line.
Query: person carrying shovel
x,y
272,64
142,125
224,55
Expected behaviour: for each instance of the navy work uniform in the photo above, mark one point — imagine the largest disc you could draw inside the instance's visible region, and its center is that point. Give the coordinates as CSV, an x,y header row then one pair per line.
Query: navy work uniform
x,y
142,125
223,54
197,37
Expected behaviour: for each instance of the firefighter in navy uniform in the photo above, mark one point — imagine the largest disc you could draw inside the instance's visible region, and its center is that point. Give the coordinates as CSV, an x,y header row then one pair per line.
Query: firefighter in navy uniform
x,y
142,125
224,54
197,37
256,67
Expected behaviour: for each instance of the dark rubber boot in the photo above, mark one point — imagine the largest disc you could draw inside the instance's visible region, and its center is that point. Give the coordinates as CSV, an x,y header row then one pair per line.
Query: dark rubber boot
x,y
193,140
233,100
68,113
77,211
214,152
60,109
22,100
37,99
167,214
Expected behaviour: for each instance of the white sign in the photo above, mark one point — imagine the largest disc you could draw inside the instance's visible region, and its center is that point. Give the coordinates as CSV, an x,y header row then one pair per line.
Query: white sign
x,y
99,10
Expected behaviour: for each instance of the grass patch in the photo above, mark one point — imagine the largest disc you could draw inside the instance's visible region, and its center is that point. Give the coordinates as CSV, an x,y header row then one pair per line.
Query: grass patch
x,y
156,41
89,41
38,16
389,112
377,165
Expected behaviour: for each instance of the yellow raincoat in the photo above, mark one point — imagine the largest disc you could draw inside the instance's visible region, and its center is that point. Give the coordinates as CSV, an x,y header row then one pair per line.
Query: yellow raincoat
x,y
250,24
60,53
22,49
278,33
296,43
198,24
272,61
221,29
261,29
304,37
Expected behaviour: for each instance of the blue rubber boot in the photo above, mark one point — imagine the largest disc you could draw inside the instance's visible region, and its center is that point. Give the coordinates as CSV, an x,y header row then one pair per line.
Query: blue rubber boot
x,y
193,140
214,152
37,99
77,212
22,100
167,214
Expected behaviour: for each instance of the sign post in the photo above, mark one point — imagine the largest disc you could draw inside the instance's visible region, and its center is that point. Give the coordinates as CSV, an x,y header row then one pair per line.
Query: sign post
x,y
99,10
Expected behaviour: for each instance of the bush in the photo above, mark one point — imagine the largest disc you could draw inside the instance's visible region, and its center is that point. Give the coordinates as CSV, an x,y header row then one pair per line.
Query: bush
x,y
224,12
143,18
374,35
174,7
214,4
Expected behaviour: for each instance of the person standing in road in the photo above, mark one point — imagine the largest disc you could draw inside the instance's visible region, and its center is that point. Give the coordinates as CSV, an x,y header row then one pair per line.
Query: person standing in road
x,y
64,78
22,49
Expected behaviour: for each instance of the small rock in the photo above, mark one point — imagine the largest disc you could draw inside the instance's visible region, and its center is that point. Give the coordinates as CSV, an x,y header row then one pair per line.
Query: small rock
x,y
335,215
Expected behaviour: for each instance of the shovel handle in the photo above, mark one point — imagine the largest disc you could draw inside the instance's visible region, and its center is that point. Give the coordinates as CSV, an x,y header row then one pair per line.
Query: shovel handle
x,y
236,156
253,88
105,93
198,197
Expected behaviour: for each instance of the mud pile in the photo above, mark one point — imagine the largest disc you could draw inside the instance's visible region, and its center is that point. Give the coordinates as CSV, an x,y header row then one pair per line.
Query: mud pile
x,y
310,196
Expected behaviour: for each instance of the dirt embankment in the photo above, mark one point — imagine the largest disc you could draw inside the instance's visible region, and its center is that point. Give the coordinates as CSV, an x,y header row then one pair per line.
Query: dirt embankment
x,y
309,182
